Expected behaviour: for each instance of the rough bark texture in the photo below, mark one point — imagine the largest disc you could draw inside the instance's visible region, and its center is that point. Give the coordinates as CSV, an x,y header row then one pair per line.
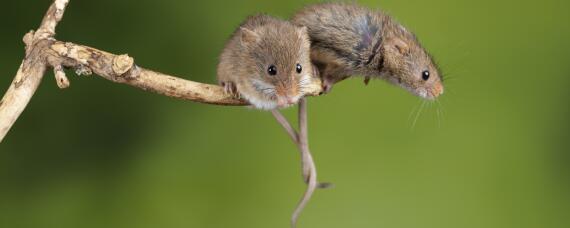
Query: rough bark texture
x,y
121,69
43,52
31,70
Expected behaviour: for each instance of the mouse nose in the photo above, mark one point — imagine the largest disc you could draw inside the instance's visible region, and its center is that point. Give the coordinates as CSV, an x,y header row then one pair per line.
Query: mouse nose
x,y
286,101
291,100
437,90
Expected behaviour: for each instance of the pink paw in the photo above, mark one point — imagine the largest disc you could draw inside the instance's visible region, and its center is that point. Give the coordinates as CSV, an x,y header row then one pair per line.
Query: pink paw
x,y
327,86
230,88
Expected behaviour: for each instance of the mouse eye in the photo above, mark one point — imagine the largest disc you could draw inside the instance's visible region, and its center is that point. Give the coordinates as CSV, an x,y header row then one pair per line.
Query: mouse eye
x,y
299,68
272,70
425,75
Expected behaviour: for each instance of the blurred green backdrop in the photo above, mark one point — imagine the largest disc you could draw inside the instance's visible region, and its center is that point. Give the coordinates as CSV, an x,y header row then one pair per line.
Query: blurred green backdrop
x,y
101,154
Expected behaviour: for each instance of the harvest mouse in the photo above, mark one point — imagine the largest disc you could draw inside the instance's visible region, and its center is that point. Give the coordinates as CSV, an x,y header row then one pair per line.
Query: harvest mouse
x,y
267,62
348,39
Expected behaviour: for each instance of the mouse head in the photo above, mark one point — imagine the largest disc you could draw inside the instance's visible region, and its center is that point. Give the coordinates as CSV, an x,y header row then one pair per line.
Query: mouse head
x,y
281,67
408,65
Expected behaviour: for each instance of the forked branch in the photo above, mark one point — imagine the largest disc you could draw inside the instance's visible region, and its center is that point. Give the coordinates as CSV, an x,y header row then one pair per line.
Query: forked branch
x,y
43,51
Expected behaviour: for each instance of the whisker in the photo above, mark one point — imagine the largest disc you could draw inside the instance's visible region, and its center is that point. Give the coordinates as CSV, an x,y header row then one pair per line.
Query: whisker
x,y
414,110
418,115
449,90
442,110
438,113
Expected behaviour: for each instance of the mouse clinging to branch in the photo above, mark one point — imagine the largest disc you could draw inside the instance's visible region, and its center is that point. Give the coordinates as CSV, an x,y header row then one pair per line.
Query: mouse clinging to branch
x,y
348,39
267,62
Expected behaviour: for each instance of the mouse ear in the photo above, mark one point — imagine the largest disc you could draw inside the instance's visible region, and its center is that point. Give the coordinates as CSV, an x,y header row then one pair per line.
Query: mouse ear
x,y
304,35
399,45
248,36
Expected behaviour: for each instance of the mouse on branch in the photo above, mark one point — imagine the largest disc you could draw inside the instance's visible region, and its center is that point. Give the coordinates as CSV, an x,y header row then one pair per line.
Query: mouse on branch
x,y
348,39
267,62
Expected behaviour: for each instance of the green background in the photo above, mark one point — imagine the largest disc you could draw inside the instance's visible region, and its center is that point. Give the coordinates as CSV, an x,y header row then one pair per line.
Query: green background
x,y
101,154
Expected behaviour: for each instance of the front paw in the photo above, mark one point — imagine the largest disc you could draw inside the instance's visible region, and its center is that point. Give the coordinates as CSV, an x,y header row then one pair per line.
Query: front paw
x,y
366,80
316,72
231,89
327,85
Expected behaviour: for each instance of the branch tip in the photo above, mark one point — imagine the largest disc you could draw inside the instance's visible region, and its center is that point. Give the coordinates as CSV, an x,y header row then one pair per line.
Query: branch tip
x,y
60,8
60,78
29,38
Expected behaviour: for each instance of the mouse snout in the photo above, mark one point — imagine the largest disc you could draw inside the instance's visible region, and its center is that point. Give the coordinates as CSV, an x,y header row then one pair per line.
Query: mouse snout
x,y
286,97
430,93
285,101
437,90
291,100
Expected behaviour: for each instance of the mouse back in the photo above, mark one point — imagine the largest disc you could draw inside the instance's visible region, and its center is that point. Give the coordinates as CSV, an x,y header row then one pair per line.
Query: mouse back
x,y
348,39
347,34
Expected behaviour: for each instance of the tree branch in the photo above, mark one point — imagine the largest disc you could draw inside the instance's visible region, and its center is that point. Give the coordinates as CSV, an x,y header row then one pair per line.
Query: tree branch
x,y
122,69
31,70
43,51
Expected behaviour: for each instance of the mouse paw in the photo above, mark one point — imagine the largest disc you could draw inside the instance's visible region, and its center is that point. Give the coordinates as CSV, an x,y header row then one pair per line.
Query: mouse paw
x,y
230,88
316,72
366,80
327,86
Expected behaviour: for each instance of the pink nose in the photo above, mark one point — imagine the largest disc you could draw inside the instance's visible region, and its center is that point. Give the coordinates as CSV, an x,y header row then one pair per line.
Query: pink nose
x,y
437,90
285,101
290,100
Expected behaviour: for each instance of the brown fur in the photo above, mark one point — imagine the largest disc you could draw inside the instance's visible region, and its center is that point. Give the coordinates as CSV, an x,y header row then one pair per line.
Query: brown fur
x,y
262,41
348,39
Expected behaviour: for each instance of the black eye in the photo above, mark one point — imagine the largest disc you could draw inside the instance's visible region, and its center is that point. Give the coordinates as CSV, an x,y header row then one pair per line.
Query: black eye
x,y
299,68
425,75
272,70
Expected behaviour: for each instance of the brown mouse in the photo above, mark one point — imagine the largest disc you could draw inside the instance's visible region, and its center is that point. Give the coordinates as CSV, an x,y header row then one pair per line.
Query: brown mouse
x,y
267,62
348,39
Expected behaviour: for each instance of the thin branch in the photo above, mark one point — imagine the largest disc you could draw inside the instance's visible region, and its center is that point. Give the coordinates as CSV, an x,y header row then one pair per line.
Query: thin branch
x,y
31,70
60,78
43,51
122,69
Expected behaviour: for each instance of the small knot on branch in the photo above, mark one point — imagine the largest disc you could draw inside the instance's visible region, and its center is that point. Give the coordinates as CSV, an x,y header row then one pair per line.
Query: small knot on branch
x,y
28,41
60,78
29,38
122,64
